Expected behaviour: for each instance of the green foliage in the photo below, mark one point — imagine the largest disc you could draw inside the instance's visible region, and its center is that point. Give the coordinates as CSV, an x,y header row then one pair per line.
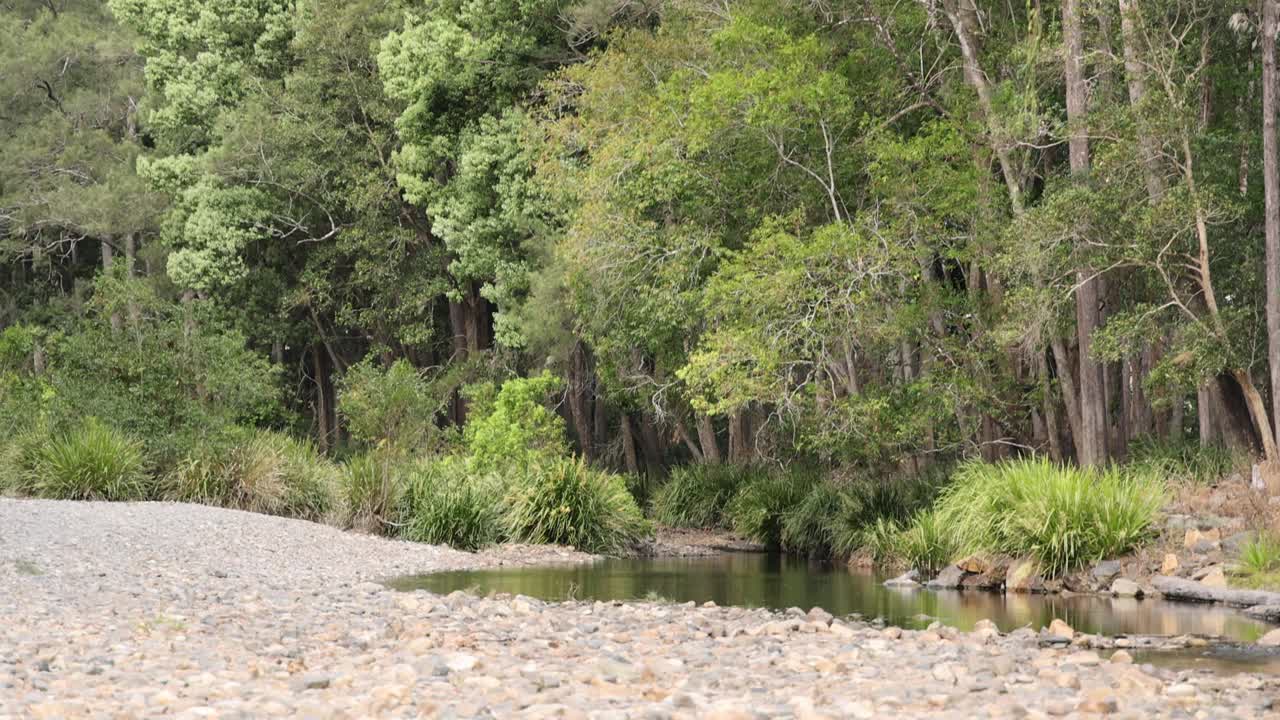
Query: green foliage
x,y
1062,517
1186,460
761,503
568,502
516,427
443,503
695,496
1261,554
927,543
261,471
807,526
390,406
91,462
371,486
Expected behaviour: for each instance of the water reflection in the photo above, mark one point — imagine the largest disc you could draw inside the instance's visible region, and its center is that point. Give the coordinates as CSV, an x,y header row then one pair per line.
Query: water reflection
x,y
775,581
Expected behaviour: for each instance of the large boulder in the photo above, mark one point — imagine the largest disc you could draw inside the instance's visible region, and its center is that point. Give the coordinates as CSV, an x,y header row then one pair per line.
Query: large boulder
x,y
1124,587
1106,571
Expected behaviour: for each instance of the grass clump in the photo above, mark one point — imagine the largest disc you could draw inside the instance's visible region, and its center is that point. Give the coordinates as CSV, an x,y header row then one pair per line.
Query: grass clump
x,y
92,462
926,543
807,527
263,471
442,504
1062,517
1185,460
565,501
758,509
1261,555
696,495
371,486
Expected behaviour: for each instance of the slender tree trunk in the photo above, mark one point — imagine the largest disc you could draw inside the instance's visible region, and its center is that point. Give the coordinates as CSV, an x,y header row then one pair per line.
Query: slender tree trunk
x,y
108,262
1271,193
579,390
682,430
1092,443
1206,410
322,400
650,445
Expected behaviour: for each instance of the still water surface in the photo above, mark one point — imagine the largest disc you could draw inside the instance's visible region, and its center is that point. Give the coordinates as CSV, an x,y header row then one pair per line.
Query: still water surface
x,y
779,582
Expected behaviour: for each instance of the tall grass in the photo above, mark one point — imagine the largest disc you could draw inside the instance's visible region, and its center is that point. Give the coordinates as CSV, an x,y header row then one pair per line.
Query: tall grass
x,y
758,509
568,502
807,527
1063,517
92,462
1261,554
371,485
695,496
443,504
1185,460
262,471
926,543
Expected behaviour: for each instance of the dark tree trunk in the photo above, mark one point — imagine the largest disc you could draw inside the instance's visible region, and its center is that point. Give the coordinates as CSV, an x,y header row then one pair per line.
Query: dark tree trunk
x,y
707,439
629,445
1271,193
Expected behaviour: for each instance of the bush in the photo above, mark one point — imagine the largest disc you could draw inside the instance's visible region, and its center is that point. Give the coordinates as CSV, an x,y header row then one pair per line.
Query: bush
x,y
371,485
443,504
757,510
873,509
515,428
1185,460
567,502
263,471
392,406
92,462
1062,517
695,496
1261,554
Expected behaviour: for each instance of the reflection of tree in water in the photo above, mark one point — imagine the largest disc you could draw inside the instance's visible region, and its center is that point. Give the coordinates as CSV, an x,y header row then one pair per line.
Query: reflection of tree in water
x,y
780,582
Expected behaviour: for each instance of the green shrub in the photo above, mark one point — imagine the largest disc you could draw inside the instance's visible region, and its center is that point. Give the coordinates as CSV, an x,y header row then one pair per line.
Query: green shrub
x,y
569,503
263,471
91,462
371,485
1185,460
872,509
515,428
1062,517
882,541
757,510
695,496
926,543
1261,554
17,457
443,504
390,407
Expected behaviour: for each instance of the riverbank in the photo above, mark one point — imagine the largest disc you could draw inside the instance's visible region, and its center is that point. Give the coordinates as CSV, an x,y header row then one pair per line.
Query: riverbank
x,y
141,610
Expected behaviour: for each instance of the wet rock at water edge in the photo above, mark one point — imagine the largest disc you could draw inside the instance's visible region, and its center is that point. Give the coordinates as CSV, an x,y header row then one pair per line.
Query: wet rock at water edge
x,y
1106,571
950,578
1271,639
906,579
1124,587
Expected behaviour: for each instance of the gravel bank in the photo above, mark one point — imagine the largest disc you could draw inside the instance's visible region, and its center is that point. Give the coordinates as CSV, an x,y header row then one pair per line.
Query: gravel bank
x,y
160,610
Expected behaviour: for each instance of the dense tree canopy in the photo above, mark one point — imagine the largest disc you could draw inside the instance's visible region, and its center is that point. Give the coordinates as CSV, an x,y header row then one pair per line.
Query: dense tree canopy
x,y
867,233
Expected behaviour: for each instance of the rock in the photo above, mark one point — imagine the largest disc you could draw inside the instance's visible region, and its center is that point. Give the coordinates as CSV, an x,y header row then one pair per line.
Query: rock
x,y
1023,576
1271,639
1215,578
1205,547
1170,564
820,616
1084,657
1058,628
1122,656
892,632
316,681
974,564
1124,587
1190,539
1268,613
949,578
1181,690
461,662
1100,701
943,673
1106,570
1233,543
907,579
1183,589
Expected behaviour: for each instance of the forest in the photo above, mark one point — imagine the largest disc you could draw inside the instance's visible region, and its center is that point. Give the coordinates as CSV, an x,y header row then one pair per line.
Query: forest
x,y
469,270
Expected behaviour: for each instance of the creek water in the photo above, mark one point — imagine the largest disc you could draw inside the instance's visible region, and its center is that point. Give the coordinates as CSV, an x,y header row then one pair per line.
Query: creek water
x,y
780,582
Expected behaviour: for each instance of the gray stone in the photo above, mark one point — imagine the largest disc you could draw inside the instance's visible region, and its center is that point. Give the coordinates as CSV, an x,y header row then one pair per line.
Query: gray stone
x,y
1124,587
1106,570
950,578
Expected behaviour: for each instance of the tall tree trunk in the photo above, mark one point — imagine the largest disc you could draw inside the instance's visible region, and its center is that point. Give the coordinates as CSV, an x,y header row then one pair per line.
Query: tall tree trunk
x,y
108,262
629,445
707,438
650,445
1206,411
1135,77
1271,193
1092,443
579,391
322,399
